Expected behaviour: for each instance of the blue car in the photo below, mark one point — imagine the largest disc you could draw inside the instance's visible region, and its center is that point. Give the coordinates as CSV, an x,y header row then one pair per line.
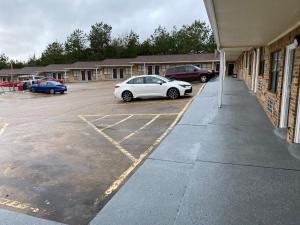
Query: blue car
x,y
50,87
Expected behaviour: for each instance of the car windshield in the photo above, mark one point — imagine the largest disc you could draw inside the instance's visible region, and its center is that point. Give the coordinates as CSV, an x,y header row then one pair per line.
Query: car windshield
x,y
198,68
164,78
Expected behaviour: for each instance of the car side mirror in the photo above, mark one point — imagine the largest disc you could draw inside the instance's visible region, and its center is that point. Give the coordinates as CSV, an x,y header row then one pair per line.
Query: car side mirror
x,y
160,83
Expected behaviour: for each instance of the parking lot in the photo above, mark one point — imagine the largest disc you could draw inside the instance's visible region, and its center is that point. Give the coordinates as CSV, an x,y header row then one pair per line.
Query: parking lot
x,y
64,156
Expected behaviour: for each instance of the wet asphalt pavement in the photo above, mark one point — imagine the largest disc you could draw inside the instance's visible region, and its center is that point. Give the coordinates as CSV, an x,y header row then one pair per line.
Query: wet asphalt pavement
x,y
62,155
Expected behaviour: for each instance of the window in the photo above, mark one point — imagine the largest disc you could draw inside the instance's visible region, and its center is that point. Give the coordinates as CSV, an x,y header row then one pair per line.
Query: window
x,y
190,69
138,80
107,71
180,69
128,70
164,68
275,67
262,61
205,66
171,70
141,69
153,80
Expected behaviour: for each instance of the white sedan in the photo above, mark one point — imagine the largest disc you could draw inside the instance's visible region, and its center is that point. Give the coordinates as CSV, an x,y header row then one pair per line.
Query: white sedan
x,y
151,86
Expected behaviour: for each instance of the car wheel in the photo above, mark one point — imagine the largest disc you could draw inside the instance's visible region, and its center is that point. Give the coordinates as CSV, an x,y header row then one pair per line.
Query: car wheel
x,y
51,91
173,93
62,92
203,79
33,90
127,96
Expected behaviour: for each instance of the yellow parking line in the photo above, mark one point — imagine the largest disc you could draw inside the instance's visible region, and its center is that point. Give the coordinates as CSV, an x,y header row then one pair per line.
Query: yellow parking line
x,y
116,144
135,114
115,124
138,130
19,205
3,128
100,118
115,185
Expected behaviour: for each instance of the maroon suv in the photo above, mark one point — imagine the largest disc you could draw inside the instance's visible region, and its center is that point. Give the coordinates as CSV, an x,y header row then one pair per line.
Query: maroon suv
x,y
189,73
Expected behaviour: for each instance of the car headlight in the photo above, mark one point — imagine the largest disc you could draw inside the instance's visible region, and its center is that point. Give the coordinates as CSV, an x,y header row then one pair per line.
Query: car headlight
x,y
185,85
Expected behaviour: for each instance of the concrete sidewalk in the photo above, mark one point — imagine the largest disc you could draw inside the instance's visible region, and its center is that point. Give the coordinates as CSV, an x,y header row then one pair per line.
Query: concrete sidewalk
x,y
218,166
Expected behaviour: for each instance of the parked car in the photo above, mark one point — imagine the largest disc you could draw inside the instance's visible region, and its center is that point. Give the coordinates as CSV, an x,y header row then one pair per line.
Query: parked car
x,y
189,73
50,87
32,79
151,86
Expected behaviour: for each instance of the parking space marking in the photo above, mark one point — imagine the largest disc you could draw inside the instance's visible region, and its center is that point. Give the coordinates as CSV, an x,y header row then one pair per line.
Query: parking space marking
x,y
115,124
100,118
140,129
3,128
115,185
111,140
19,205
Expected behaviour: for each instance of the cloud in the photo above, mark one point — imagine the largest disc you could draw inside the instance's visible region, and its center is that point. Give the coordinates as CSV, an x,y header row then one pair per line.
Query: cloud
x,y
26,27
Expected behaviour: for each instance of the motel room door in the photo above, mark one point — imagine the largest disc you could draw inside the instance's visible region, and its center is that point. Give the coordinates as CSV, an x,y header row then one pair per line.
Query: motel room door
x,y
115,74
118,74
82,75
121,73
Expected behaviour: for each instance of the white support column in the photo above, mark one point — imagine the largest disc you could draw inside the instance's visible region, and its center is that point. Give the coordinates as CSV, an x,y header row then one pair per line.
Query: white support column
x,y
221,77
97,78
144,68
131,73
256,69
65,76
253,71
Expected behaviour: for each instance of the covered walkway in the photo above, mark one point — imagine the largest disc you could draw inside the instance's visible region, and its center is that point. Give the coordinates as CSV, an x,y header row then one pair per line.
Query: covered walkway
x,y
218,166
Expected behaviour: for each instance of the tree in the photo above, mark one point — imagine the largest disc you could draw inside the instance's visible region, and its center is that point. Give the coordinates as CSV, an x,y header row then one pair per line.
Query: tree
x,y
3,61
194,38
146,48
131,45
100,38
75,46
54,53
162,41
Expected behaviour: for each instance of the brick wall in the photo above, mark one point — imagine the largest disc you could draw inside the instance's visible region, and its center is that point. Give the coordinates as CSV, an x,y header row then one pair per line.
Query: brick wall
x,y
271,101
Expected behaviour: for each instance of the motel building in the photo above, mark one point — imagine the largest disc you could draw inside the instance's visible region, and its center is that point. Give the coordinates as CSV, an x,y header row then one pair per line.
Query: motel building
x,y
263,38
12,75
82,72
56,71
118,69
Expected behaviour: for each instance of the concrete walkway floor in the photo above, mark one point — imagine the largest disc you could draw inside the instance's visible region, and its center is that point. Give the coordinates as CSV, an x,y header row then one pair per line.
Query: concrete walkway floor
x,y
218,166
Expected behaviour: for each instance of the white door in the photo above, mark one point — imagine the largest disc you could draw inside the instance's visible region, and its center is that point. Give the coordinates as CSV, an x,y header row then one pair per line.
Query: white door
x,y
286,89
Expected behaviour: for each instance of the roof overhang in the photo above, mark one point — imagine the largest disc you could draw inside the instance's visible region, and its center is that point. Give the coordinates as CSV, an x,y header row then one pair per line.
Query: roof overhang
x,y
241,25
170,62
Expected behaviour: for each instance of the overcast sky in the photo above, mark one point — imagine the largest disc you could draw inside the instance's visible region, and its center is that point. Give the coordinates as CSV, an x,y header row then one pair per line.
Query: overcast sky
x,y
27,26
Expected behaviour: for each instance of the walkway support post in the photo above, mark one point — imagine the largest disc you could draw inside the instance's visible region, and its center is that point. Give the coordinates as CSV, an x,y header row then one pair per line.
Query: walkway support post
x,y
221,77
